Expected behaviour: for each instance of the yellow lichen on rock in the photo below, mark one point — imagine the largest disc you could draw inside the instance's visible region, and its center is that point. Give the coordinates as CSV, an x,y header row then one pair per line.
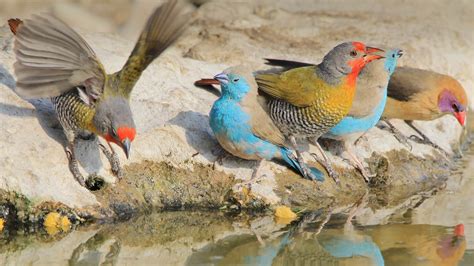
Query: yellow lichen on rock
x,y
55,222
65,224
2,222
284,215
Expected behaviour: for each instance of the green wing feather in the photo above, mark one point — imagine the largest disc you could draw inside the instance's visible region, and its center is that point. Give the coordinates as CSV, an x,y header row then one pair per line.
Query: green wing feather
x,y
164,26
297,86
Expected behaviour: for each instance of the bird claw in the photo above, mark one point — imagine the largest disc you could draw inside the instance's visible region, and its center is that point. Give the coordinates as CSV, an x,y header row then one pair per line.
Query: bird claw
x,y
367,176
113,160
331,172
74,168
427,141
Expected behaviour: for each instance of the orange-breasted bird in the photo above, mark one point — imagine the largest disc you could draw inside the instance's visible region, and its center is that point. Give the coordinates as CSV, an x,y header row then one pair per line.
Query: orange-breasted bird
x,y
417,94
53,61
306,102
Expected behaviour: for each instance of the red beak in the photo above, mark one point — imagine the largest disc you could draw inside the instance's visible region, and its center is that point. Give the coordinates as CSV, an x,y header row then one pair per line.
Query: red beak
x,y
461,117
371,57
371,50
206,82
459,230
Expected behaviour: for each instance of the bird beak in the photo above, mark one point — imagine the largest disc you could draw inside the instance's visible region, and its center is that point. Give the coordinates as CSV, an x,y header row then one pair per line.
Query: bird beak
x,y
371,57
222,78
400,53
126,147
371,50
206,82
459,230
461,117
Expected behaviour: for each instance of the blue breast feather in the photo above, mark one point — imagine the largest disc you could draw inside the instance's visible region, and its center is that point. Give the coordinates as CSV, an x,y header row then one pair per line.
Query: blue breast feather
x,y
350,124
230,122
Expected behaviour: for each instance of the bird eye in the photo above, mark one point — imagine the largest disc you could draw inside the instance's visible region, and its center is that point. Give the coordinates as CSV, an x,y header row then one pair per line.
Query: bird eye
x,y
353,53
393,55
235,80
455,108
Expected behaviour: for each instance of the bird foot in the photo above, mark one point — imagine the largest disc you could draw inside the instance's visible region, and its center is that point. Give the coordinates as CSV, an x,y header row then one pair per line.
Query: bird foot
x,y
397,134
74,167
307,173
114,161
426,141
365,173
331,172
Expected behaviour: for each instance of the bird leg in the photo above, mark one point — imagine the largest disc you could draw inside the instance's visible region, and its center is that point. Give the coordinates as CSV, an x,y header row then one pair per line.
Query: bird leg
x,y
113,159
398,135
299,157
424,139
326,162
359,166
255,173
73,165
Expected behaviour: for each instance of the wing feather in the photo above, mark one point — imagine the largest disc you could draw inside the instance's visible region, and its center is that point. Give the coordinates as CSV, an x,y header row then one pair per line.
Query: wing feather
x,y
163,27
51,59
297,86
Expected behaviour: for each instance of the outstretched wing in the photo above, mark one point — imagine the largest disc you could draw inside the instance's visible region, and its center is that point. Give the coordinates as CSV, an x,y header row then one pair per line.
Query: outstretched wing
x,y
297,86
52,58
164,26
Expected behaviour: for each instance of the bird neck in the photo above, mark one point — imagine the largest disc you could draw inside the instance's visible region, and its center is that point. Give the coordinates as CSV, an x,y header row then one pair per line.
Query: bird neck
x,y
351,78
328,74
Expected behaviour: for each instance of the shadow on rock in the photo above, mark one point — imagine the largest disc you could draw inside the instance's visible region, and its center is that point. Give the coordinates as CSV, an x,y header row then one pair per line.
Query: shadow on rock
x,y
199,136
87,150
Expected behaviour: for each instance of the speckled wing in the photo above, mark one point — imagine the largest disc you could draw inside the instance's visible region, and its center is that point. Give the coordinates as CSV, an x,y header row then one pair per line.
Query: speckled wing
x,y
297,86
163,27
52,59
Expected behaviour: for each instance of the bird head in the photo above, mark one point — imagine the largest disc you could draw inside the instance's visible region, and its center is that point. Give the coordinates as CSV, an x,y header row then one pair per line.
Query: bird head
x,y
350,57
391,58
453,99
233,84
113,121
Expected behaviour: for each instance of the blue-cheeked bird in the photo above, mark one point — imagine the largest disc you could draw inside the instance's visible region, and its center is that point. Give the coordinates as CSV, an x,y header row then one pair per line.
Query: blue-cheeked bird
x,y
243,127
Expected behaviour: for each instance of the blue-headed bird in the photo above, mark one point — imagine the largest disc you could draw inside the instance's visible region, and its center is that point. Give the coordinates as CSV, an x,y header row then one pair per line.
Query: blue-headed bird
x,y
243,127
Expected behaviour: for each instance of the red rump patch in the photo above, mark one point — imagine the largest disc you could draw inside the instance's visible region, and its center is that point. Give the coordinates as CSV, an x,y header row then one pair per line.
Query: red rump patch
x,y
126,133
359,46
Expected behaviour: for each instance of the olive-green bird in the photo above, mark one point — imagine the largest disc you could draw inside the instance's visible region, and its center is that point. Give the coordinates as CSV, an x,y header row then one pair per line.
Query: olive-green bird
x,y
307,101
53,61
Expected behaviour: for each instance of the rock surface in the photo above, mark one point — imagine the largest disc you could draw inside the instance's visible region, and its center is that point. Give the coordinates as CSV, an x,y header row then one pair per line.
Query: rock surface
x,y
172,160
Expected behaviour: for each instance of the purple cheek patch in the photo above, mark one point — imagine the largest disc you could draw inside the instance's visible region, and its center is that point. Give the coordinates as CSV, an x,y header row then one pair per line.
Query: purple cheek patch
x,y
446,102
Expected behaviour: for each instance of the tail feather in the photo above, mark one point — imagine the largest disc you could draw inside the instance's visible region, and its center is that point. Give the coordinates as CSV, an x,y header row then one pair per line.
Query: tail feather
x,y
290,159
287,64
14,23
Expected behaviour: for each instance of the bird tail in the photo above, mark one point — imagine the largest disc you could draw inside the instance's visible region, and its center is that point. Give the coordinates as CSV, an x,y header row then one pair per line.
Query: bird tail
x,y
14,23
163,27
287,64
290,159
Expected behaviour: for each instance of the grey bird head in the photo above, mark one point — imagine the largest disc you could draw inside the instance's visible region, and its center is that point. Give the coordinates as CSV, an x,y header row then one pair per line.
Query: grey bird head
x,y
113,121
348,58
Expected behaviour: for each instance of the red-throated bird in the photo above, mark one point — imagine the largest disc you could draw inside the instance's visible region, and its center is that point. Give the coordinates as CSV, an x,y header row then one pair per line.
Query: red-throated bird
x,y
53,61
308,101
